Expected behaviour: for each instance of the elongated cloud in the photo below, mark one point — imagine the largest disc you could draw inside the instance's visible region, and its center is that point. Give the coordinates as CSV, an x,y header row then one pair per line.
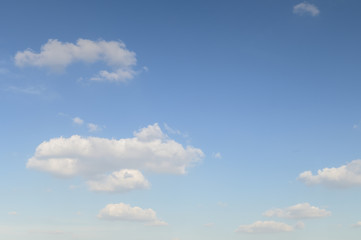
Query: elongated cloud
x,y
265,227
124,212
58,55
298,211
149,150
120,181
306,8
348,175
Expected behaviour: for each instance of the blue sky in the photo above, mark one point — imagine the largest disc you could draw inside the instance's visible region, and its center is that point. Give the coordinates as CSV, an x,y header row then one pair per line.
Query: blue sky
x,y
180,120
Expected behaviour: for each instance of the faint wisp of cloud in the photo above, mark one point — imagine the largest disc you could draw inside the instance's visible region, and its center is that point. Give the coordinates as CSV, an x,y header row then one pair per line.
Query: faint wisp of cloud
x,y
306,8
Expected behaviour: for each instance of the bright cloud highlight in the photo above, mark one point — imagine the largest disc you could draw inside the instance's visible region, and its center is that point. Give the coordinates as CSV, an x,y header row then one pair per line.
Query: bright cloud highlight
x,y
348,175
298,211
265,227
124,212
306,8
58,55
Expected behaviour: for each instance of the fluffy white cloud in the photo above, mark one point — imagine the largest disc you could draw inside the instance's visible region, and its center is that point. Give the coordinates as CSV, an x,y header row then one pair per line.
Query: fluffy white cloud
x,y
149,150
78,120
298,211
348,175
58,55
265,227
120,181
306,8
125,212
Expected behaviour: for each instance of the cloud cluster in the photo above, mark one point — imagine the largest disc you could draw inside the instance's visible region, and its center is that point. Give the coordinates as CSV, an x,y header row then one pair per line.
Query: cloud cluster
x,y
306,8
91,126
94,158
265,227
120,181
124,212
348,175
58,55
298,211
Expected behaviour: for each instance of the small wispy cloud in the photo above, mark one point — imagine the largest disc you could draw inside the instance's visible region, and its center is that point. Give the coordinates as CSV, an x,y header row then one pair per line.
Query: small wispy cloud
x,y
298,211
78,120
306,8
217,155
93,127
13,213
265,227
357,225
26,90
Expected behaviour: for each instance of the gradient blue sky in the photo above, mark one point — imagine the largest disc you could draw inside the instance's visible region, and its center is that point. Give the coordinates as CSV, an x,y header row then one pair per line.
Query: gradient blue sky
x,y
263,90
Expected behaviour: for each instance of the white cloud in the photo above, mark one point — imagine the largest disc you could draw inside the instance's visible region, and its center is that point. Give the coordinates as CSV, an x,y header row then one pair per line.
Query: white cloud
x,y
357,225
78,120
124,212
58,55
93,127
306,8
13,213
348,175
149,150
265,227
298,211
120,181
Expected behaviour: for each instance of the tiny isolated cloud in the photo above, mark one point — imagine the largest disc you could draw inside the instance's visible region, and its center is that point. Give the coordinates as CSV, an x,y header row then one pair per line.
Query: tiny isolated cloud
x,y
345,176
298,211
306,8
78,120
120,181
265,227
125,212
57,55
217,155
13,213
